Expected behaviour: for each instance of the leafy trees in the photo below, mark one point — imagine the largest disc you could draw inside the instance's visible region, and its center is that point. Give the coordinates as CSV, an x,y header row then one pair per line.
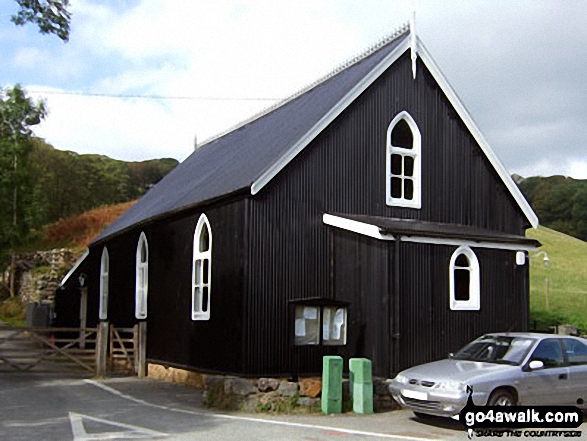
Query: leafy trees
x,y
51,16
559,202
18,113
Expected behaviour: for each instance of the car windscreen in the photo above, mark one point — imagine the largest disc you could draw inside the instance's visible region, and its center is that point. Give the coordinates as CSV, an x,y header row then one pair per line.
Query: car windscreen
x,y
496,349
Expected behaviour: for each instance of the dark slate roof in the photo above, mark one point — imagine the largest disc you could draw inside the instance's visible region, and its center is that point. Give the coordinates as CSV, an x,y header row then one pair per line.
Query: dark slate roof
x,y
412,227
234,161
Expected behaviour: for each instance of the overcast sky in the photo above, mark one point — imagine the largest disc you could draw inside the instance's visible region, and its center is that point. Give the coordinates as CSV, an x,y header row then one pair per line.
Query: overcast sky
x,y
520,67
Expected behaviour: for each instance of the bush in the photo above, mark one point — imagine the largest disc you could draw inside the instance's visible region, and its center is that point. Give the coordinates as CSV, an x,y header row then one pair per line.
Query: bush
x,y
13,312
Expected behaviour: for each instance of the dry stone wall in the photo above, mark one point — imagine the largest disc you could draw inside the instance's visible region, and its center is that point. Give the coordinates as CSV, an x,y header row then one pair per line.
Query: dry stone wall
x,y
266,394
38,274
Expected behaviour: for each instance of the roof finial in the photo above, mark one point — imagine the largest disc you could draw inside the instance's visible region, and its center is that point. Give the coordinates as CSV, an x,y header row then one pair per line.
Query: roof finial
x,y
413,49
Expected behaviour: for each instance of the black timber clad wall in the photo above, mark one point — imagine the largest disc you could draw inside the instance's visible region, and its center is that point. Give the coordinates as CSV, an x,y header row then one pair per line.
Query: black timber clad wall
x,y
343,171
429,329
174,339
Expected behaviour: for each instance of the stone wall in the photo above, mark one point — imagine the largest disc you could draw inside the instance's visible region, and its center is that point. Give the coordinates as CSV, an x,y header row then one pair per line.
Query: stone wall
x,y
38,274
266,394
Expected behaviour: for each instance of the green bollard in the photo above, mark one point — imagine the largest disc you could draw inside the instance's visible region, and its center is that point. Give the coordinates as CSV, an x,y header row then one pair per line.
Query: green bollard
x,y
331,384
360,370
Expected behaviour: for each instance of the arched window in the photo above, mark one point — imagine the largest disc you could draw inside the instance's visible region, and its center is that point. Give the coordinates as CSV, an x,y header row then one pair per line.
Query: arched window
x,y
403,182
202,270
104,270
465,286
142,277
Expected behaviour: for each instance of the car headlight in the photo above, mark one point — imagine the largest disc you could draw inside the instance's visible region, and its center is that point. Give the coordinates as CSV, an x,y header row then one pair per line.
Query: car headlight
x,y
452,385
402,379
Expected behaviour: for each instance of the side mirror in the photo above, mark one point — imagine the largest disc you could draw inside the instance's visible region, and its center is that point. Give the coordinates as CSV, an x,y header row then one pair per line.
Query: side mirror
x,y
536,365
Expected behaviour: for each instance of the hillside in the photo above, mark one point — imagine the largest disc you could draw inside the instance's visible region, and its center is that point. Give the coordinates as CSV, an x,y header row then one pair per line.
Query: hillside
x,y
67,183
567,280
560,202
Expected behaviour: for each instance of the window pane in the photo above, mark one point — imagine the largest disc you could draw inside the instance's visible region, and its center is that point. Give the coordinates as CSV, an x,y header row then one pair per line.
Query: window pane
x,y
408,166
143,252
204,239
401,135
408,189
576,351
205,299
197,300
462,261
462,285
396,187
198,273
396,165
307,325
205,271
549,352
334,325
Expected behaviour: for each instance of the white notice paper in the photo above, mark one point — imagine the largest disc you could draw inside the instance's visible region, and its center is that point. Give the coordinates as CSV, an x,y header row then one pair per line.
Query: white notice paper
x,y
310,313
300,327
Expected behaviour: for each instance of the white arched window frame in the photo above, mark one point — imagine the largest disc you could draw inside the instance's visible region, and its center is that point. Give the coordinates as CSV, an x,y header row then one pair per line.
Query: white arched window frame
x,y
202,270
104,271
404,165
142,277
464,280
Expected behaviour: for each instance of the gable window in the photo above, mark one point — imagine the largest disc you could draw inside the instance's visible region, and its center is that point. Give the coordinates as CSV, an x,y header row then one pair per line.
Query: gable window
x,y
316,325
202,270
403,162
104,270
464,280
142,277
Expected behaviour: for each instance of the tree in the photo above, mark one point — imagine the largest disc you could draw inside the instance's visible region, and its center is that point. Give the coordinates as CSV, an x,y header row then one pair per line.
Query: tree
x,y
51,16
18,113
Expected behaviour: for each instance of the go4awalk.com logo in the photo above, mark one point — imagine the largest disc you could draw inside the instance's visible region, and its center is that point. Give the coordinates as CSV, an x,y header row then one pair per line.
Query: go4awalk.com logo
x,y
518,421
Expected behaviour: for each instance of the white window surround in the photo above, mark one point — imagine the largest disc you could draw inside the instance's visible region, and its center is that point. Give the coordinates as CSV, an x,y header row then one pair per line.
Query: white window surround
x,y
415,154
104,276
142,277
202,270
474,301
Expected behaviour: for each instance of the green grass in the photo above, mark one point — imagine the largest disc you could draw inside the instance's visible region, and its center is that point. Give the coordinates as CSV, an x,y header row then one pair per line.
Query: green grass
x,y
13,312
567,278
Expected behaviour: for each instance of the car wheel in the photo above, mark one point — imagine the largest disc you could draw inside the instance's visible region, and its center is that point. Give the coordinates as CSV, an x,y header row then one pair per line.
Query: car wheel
x,y
502,397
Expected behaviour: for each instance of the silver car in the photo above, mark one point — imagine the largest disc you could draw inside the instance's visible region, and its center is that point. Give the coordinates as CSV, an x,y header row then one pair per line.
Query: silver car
x,y
502,369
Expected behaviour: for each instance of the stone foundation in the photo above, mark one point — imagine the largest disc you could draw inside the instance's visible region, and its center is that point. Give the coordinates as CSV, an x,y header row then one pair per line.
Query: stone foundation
x,y
266,394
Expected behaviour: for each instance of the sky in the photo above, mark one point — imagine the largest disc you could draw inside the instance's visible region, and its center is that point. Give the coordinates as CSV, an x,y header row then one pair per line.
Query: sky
x,y
142,79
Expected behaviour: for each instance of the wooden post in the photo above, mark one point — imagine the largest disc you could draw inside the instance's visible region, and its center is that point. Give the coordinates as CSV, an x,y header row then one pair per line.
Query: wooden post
x,y
142,362
101,349
83,315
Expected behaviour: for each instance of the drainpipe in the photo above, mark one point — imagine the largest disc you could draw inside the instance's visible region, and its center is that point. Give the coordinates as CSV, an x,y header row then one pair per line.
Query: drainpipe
x,y
396,306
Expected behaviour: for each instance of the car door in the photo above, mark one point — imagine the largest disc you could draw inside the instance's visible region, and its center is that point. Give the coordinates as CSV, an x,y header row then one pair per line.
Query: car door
x,y
548,385
576,352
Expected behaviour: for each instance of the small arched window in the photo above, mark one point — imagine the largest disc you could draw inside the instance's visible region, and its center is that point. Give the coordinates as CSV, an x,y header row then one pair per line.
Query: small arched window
x,y
142,277
403,182
104,271
464,280
202,270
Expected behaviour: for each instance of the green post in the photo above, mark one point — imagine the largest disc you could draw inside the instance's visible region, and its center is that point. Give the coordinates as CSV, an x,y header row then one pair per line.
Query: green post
x,y
360,370
332,384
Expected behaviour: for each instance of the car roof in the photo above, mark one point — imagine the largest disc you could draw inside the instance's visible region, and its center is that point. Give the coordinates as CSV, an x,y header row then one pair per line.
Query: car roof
x,y
535,335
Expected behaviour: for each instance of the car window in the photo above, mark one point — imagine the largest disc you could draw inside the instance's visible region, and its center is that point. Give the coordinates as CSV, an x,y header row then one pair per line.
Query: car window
x,y
549,352
496,349
576,351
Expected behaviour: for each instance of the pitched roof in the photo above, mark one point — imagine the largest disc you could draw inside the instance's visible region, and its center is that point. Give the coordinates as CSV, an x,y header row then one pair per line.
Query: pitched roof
x,y
250,155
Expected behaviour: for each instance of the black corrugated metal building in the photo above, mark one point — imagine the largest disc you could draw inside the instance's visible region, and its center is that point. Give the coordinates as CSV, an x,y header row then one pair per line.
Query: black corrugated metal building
x,y
366,216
